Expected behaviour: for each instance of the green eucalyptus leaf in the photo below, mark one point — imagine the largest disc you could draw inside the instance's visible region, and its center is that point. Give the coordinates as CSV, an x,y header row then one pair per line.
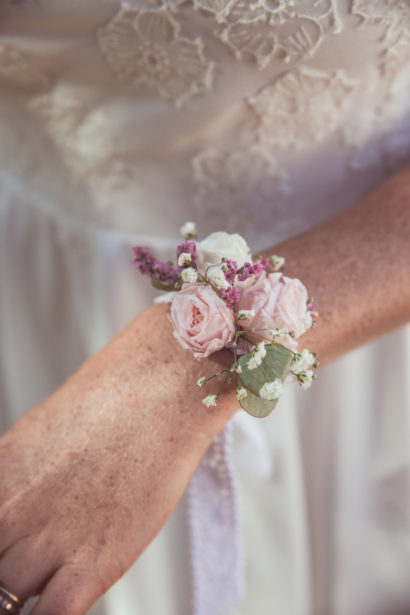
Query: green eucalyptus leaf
x,y
160,286
275,364
256,406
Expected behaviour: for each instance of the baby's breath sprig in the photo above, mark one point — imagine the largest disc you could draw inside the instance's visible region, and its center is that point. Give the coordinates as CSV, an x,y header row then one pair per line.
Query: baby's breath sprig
x,y
301,368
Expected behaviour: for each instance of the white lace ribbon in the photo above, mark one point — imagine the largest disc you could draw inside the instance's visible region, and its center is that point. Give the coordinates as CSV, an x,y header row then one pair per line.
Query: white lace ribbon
x,y
217,553
216,547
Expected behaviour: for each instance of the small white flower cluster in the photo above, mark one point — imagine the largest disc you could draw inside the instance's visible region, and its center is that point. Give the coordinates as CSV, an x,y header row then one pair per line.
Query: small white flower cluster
x,y
245,314
277,332
257,356
305,378
217,277
185,258
271,390
301,365
210,400
241,393
188,230
189,274
302,360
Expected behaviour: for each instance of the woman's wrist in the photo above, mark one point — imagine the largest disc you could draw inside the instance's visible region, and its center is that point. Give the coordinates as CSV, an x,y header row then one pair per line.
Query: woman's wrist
x,y
357,268
145,371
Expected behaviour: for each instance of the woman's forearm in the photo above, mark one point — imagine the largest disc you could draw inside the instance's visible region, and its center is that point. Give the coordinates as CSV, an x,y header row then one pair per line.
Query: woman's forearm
x,y
145,371
357,268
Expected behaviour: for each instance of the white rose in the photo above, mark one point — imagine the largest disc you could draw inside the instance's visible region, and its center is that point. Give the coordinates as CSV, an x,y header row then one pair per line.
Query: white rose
x,y
219,245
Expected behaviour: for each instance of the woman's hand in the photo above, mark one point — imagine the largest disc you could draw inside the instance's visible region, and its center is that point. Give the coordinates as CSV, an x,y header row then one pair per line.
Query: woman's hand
x,y
95,470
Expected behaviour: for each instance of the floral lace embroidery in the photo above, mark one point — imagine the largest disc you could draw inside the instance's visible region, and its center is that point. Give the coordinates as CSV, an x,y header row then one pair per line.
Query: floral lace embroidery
x,y
247,11
382,9
17,73
86,144
254,40
264,30
324,11
393,15
219,8
230,184
145,48
154,47
396,57
259,30
287,109
378,134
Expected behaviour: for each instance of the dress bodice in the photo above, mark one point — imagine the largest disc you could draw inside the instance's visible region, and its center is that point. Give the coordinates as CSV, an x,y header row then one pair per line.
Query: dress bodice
x,y
137,115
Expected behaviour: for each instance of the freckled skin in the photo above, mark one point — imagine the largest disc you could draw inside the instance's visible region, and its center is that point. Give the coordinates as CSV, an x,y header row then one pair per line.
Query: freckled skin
x,y
357,268
104,460
93,472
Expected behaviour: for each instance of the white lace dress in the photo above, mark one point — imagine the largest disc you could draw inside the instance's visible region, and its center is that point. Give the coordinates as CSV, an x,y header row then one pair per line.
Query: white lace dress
x,y
121,120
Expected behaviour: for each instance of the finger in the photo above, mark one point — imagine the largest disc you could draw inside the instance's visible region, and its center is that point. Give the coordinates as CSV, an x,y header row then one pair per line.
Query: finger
x,y
25,569
71,591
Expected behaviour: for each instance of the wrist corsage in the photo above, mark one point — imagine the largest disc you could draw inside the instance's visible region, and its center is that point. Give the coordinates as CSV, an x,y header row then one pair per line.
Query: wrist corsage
x,y
222,297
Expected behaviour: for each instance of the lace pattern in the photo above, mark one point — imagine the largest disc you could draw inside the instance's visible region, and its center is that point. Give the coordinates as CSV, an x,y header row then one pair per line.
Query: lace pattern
x,y
378,135
216,555
145,48
181,52
18,73
264,31
286,109
231,184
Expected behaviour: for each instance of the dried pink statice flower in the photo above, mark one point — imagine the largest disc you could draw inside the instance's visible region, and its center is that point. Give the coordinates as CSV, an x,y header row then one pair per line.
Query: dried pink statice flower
x,y
188,247
231,296
147,264
166,273
248,270
230,268
144,261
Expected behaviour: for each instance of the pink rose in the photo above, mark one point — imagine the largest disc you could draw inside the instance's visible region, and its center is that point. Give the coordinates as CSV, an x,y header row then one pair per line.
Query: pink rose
x,y
202,321
278,302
